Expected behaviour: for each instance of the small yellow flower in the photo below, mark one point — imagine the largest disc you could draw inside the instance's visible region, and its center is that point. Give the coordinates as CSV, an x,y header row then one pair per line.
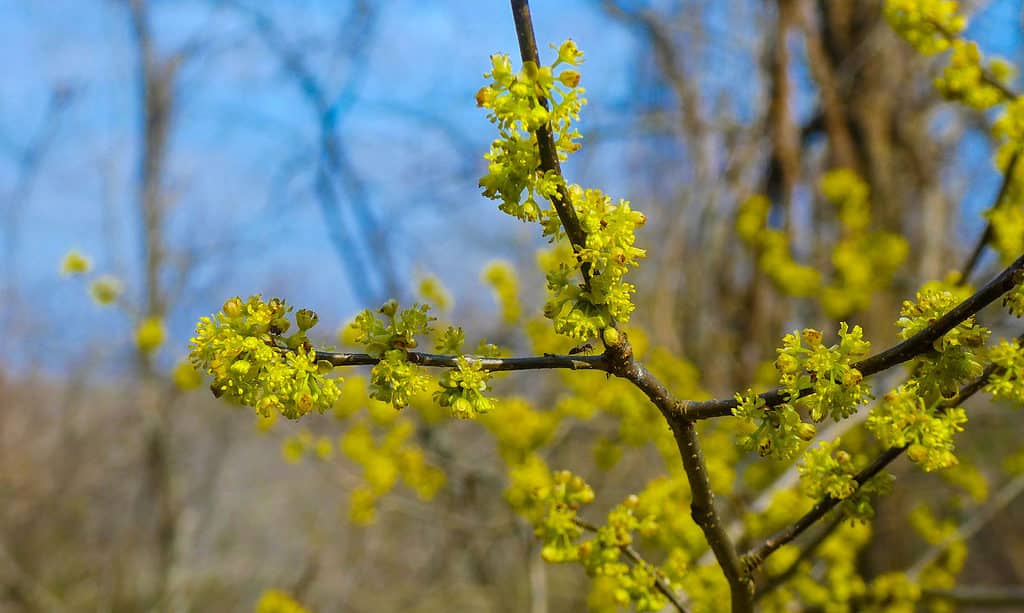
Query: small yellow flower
x,y
185,376
150,334
106,290
75,263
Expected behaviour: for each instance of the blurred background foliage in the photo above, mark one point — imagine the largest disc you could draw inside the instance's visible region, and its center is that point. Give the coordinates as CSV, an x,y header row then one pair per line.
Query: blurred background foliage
x,y
329,152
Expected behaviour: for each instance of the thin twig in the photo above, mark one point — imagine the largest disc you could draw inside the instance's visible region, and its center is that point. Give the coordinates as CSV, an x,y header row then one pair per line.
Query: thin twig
x,y
659,582
775,582
1006,494
1011,597
986,236
914,346
545,141
757,555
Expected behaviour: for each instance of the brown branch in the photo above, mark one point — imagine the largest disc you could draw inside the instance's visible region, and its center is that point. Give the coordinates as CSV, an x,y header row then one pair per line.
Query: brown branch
x,y
627,550
545,141
776,581
702,509
986,236
546,361
914,346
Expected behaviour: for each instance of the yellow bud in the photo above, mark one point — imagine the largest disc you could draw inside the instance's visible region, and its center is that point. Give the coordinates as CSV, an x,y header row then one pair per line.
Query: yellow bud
x,y
917,453
233,307
811,337
569,78
484,96
611,336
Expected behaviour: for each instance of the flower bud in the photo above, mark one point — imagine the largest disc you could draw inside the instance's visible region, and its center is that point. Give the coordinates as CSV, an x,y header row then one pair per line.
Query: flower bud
x,y
306,319
569,78
241,367
484,96
811,337
917,453
806,431
852,377
611,336
389,308
233,307
842,457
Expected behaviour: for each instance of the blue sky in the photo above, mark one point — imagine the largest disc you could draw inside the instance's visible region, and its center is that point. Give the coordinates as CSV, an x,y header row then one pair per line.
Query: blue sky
x,y
413,133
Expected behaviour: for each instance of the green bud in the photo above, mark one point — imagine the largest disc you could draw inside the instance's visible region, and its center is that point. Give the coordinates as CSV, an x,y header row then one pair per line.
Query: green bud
x,y
842,457
324,366
389,308
306,319
611,336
